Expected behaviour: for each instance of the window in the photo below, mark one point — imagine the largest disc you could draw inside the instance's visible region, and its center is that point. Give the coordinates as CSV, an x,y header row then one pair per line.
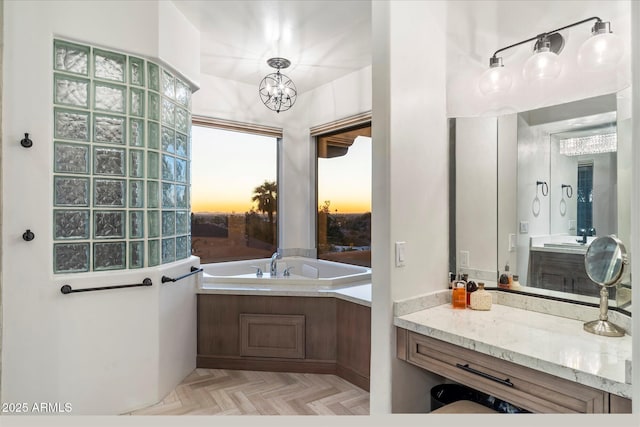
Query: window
x,y
585,196
344,196
234,195
120,183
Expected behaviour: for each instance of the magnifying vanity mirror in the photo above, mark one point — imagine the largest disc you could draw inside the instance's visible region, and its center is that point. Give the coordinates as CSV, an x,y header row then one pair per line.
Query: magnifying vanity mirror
x,y
606,263
581,151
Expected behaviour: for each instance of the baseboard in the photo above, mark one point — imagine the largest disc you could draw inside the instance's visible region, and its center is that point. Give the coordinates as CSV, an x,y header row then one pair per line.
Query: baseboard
x,y
307,366
352,376
267,364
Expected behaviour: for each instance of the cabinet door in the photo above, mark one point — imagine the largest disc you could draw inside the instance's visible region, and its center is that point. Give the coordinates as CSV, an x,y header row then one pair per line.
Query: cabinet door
x,y
272,335
619,405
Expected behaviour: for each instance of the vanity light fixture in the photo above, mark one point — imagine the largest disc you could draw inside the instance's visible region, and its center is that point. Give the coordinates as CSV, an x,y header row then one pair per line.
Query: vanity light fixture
x,y
545,63
603,50
277,91
497,79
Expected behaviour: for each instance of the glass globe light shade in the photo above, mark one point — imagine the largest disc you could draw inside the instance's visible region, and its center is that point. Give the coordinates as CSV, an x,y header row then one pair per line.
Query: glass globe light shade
x,y
600,52
543,65
495,80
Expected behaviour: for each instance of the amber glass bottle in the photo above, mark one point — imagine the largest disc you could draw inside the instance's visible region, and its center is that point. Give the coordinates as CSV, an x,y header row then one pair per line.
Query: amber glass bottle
x,y
459,295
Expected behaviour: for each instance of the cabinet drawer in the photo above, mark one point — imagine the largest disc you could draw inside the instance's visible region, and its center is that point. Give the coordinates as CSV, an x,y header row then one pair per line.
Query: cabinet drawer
x,y
529,389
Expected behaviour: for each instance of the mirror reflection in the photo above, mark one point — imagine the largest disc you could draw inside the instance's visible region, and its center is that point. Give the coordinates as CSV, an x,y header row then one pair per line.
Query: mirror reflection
x,y
563,178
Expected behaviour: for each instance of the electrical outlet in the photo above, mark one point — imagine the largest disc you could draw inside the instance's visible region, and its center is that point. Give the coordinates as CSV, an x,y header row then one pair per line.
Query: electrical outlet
x,y
572,225
524,227
464,258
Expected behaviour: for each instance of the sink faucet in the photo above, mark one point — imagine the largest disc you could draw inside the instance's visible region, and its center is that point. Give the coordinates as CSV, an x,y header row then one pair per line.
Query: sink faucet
x,y
274,266
583,233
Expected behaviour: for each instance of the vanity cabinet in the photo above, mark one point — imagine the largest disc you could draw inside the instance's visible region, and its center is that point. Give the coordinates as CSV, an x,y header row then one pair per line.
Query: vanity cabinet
x,y
564,272
529,389
322,335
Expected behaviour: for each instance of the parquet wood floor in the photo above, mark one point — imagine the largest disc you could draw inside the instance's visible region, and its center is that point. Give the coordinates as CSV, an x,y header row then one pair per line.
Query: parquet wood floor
x,y
230,392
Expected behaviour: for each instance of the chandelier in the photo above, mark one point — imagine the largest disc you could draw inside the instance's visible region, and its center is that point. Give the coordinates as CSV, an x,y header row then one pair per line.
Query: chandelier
x,y
277,91
594,144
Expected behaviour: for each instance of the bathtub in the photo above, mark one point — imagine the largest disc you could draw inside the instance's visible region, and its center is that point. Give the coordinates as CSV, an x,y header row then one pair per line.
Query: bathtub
x,y
307,271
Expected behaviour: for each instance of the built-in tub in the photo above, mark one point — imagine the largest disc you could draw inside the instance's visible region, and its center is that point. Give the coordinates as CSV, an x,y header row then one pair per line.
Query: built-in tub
x,y
303,270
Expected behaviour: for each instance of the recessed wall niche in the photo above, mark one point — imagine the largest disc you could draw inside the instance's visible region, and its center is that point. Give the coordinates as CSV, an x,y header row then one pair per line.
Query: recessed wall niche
x,y
121,136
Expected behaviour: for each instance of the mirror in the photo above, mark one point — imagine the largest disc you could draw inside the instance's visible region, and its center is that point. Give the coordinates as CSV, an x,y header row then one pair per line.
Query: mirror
x,y
552,196
606,261
606,264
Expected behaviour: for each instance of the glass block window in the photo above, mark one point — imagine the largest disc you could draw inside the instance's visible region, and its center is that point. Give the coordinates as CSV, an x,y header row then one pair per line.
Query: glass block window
x,y
122,130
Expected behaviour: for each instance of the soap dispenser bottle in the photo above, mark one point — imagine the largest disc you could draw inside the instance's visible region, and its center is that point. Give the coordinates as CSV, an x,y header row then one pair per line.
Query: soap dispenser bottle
x,y
459,295
505,279
516,283
481,299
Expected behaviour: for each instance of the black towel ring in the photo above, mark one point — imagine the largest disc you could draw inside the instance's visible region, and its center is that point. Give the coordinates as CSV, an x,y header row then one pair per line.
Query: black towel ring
x,y
545,187
569,190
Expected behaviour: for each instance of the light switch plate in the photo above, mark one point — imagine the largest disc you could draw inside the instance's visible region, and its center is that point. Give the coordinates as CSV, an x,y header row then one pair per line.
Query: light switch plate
x,y
400,254
524,227
464,258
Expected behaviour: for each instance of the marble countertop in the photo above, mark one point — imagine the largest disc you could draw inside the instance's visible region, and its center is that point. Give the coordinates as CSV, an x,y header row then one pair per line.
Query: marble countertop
x,y
560,243
578,250
358,292
556,345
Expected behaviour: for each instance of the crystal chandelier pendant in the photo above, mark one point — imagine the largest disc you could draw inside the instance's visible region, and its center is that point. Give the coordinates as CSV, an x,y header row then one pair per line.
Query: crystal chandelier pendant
x,y
277,91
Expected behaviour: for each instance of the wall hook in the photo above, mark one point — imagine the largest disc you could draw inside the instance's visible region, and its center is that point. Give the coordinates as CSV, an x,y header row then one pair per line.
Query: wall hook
x,y
26,142
569,190
545,187
28,235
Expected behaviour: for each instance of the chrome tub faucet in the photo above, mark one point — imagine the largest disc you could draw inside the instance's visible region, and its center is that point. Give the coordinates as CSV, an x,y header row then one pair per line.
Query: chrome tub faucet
x,y
274,265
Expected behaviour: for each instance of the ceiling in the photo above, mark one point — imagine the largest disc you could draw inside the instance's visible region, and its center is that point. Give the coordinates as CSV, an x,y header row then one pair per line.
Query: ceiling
x,y
324,40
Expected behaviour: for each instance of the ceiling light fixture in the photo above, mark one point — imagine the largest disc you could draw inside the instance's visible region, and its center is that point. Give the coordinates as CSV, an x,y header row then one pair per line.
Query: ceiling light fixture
x,y
593,144
603,50
277,91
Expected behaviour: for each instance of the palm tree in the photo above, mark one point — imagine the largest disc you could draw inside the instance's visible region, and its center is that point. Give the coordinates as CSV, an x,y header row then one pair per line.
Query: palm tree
x,y
266,196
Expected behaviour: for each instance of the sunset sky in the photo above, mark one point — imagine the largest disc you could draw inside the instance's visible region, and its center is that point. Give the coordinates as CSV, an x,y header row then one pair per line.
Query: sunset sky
x,y
226,167
346,180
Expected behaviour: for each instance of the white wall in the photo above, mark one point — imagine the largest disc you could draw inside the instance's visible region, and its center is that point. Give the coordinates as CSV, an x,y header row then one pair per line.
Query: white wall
x,y
476,202
231,100
564,170
508,232
625,151
178,42
410,190
99,351
533,206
